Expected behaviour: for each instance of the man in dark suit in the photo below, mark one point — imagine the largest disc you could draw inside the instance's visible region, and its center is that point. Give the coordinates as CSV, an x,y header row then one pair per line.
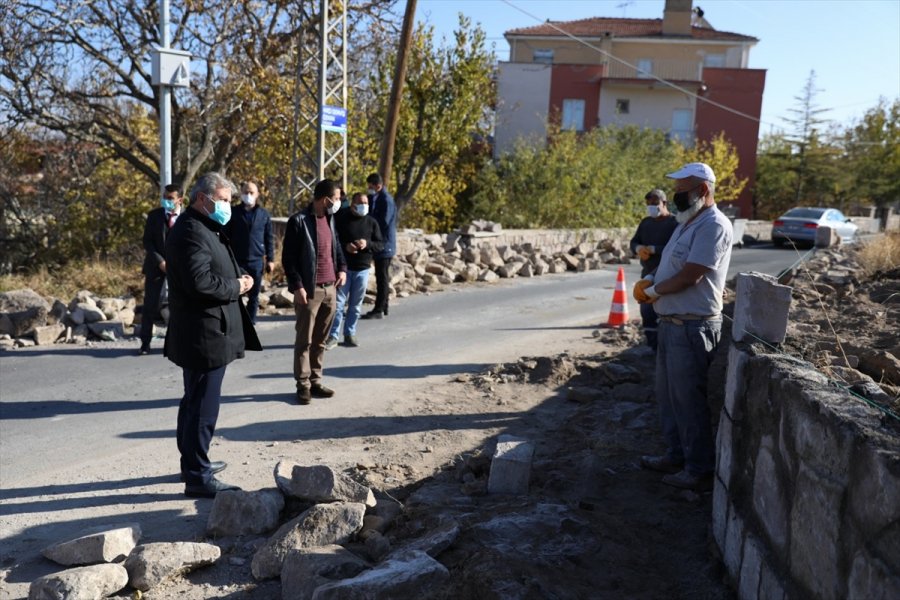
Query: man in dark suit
x,y
383,210
250,233
156,228
208,325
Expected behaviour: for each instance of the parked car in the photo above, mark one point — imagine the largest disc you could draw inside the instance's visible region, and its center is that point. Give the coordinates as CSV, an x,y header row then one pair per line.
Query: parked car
x,y
800,225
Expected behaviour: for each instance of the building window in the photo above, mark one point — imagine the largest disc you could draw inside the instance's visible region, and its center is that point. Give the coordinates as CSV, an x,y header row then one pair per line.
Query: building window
x,y
714,60
683,126
622,106
573,114
543,55
644,68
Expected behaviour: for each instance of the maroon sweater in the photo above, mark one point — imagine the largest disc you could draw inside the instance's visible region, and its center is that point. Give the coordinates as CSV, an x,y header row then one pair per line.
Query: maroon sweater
x,y
324,264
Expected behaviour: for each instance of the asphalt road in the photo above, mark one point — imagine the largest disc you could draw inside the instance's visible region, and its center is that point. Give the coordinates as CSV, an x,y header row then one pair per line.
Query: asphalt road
x,y
61,406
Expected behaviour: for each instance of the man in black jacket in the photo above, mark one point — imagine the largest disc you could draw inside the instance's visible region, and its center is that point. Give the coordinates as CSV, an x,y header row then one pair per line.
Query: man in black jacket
x,y
250,234
208,325
314,265
360,238
159,221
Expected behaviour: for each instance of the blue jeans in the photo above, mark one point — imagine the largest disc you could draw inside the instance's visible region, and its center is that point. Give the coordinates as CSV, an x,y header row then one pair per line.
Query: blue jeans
x,y
255,270
648,318
682,366
355,290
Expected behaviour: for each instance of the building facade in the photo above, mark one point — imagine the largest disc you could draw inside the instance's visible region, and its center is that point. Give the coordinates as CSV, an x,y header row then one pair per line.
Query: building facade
x,y
674,74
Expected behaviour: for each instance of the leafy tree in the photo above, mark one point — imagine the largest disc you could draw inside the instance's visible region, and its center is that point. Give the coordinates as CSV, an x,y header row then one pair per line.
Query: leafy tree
x,y
446,98
594,179
76,68
721,155
776,175
873,151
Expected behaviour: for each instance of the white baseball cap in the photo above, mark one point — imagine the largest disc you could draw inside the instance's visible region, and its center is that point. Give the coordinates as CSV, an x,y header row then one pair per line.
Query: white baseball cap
x,y
698,170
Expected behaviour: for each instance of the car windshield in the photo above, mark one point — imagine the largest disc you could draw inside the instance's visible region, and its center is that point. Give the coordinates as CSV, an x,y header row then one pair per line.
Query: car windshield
x,y
805,213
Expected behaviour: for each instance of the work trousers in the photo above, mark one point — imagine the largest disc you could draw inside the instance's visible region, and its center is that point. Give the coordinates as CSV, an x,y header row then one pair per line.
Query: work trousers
x,y
682,366
312,328
649,322
197,416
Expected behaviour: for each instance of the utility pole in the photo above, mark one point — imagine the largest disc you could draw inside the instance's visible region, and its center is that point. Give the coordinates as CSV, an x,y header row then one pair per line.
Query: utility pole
x,y
386,162
321,75
170,68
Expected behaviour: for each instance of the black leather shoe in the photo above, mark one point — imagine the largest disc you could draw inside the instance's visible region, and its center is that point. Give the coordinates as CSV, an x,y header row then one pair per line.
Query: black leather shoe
x,y
373,314
208,489
145,350
304,396
320,391
216,466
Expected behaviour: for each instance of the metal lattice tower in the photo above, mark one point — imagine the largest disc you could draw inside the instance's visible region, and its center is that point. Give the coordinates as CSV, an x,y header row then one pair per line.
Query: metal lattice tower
x,y
321,81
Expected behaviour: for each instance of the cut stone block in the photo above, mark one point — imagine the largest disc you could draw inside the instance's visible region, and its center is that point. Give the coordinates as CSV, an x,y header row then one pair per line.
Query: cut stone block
x,y
511,466
761,308
96,545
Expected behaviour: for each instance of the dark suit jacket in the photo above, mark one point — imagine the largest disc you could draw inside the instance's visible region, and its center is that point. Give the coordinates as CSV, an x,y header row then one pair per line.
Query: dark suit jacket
x,y
155,230
250,232
385,212
208,324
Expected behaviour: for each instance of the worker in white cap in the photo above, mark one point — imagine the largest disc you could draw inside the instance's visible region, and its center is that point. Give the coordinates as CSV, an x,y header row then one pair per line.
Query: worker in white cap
x,y
686,290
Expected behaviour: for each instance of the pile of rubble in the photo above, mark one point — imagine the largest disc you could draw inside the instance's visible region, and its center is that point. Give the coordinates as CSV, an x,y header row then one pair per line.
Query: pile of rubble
x,y
424,264
27,319
319,531
847,327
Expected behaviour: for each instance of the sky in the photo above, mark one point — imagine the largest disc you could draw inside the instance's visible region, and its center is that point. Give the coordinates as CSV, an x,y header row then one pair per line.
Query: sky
x,y
852,45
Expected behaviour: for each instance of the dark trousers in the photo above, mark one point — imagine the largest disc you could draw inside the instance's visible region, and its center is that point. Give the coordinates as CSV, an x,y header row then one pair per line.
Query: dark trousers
x,y
153,287
649,320
382,284
197,416
255,271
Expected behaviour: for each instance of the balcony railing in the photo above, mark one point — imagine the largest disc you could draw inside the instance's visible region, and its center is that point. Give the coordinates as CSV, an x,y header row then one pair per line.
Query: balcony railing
x,y
679,70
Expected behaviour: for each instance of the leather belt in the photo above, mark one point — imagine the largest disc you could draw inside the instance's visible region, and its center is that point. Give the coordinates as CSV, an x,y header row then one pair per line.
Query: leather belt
x,y
682,319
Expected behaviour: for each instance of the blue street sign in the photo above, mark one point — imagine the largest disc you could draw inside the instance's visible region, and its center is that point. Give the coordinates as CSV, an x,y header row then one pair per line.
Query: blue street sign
x,y
333,118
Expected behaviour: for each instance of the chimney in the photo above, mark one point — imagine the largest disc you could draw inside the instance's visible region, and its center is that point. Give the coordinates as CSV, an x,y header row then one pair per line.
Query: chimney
x,y
677,17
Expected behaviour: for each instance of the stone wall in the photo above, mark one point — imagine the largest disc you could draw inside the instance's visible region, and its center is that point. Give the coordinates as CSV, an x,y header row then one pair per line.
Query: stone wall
x,y
806,502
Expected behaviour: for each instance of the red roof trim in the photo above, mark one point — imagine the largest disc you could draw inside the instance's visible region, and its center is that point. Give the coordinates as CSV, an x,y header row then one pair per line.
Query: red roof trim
x,y
623,28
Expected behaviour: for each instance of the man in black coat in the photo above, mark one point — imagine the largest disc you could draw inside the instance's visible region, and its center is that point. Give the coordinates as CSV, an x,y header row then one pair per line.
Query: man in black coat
x,y
208,325
250,233
383,210
314,265
159,221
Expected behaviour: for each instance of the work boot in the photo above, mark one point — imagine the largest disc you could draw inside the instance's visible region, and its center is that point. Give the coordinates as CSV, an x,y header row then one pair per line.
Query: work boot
x,y
331,342
304,396
317,390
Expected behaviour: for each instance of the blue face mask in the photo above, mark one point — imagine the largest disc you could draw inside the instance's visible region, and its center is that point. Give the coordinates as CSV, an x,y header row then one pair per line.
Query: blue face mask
x,y
168,205
222,212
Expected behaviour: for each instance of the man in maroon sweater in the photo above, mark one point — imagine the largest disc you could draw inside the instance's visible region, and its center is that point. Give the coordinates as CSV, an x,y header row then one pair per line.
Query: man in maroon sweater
x,y
314,265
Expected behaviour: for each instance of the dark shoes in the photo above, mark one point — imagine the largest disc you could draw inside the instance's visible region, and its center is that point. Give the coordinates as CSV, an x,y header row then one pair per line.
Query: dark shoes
x,y
351,340
208,489
215,466
688,481
304,396
145,350
331,342
320,391
373,314
663,464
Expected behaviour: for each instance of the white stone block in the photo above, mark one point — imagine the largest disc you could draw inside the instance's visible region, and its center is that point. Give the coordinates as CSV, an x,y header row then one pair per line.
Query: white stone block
x,y
511,466
760,309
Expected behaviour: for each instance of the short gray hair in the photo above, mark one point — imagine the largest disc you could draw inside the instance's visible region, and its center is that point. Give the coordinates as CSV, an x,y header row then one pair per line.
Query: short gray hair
x,y
658,194
208,183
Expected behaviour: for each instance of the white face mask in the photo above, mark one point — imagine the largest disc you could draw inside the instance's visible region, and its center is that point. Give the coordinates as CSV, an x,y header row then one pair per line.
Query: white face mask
x,y
652,211
361,209
334,207
248,199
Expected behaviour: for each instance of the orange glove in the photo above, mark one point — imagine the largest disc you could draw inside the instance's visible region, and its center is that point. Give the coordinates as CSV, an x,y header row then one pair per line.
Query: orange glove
x,y
638,291
645,252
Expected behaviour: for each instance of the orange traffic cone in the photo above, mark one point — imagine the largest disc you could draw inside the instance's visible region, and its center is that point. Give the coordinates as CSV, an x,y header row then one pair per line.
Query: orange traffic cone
x,y
618,313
